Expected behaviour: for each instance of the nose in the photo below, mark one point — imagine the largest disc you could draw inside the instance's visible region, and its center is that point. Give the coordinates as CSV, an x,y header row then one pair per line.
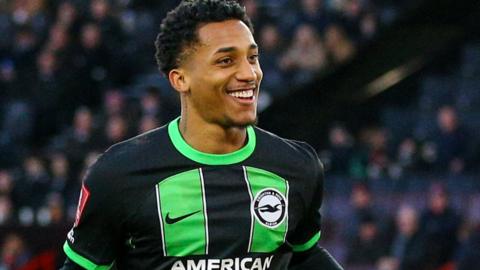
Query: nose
x,y
247,71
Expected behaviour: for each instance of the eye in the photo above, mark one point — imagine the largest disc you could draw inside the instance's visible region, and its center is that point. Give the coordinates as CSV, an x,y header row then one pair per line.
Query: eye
x,y
225,61
253,57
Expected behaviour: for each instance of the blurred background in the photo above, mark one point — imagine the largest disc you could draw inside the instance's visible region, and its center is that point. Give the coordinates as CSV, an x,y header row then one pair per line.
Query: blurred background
x,y
387,91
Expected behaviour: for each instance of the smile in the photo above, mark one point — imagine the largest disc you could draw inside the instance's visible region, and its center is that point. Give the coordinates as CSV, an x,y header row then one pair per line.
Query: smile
x,y
243,94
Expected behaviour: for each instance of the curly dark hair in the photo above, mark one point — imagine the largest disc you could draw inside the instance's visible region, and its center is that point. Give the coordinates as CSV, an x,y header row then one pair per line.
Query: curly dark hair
x,y
178,30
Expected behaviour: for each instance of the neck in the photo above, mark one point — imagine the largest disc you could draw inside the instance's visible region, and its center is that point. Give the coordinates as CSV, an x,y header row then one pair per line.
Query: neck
x,y
209,137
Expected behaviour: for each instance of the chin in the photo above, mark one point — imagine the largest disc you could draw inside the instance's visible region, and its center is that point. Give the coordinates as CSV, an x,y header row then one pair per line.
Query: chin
x,y
241,123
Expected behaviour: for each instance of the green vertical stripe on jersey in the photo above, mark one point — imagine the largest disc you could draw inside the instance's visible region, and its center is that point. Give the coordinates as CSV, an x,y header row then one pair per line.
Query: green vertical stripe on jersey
x,y
82,261
265,239
210,159
181,198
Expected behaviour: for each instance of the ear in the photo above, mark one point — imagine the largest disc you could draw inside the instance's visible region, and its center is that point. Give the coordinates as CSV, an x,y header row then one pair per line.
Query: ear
x,y
179,80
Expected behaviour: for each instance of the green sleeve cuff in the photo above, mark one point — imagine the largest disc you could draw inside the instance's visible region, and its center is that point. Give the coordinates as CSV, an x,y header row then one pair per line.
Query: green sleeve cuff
x,y
308,245
82,261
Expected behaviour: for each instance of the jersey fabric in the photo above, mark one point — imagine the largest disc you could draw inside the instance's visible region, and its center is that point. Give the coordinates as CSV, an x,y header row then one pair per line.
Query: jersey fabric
x,y
154,202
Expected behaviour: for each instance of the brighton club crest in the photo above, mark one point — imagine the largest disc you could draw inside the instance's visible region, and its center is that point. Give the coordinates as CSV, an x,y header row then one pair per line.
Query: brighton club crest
x,y
269,207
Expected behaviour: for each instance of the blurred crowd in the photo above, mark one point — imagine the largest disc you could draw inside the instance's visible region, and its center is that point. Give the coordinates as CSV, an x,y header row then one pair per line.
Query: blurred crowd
x,y
433,236
449,148
414,201
78,76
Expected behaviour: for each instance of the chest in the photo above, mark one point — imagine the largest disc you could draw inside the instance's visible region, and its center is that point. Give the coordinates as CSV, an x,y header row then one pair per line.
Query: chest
x,y
221,212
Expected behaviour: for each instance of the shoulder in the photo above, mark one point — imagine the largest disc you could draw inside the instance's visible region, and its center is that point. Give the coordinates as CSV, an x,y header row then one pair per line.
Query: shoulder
x,y
297,153
145,144
129,156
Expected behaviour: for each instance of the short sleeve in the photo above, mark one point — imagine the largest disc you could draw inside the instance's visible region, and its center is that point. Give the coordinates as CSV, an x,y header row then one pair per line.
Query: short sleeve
x,y
307,233
93,241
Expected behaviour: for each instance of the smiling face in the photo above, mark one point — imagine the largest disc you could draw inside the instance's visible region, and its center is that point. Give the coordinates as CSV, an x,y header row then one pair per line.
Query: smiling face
x,y
220,75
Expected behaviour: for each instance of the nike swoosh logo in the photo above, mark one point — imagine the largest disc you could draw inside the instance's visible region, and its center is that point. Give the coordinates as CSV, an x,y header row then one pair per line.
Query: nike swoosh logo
x,y
170,220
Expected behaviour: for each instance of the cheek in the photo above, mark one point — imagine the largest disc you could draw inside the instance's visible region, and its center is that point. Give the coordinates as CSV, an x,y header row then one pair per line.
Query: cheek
x,y
206,92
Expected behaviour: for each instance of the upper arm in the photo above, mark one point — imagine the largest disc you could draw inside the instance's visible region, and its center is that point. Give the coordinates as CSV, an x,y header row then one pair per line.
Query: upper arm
x,y
95,237
308,230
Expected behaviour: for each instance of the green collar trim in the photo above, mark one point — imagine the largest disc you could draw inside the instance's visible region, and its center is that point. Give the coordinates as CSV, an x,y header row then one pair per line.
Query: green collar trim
x,y
210,159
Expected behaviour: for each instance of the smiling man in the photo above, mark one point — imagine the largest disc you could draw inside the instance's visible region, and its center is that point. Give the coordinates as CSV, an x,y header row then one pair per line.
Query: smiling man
x,y
209,190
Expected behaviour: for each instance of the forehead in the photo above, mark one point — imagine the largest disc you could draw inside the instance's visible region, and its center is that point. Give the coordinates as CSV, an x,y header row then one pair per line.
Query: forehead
x,y
230,33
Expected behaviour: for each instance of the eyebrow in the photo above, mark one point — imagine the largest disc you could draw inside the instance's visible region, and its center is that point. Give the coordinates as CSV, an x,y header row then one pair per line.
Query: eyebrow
x,y
231,49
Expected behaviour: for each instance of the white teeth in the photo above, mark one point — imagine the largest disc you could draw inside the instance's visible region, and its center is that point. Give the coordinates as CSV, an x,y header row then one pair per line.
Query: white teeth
x,y
242,94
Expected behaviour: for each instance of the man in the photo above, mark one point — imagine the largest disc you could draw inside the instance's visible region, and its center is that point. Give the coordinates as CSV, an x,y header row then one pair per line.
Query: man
x,y
209,190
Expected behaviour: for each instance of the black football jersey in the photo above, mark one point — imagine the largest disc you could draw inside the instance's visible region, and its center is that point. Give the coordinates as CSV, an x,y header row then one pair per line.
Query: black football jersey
x,y
154,202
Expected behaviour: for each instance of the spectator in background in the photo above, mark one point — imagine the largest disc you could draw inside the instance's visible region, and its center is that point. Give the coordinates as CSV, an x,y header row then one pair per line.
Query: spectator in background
x,y
12,109
361,202
114,39
378,158
35,182
116,130
251,7
6,210
59,42
6,27
147,123
409,248
68,16
351,18
61,182
305,56
16,114
407,154
441,225
55,209
450,141
340,149
16,129
470,257
6,183
78,139
153,102
91,63
151,105
339,47
48,92
368,245
407,159
271,47
16,119
30,12
138,20
114,103
314,12
14,252
368,26
25,46
8,81
8,198
101,13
